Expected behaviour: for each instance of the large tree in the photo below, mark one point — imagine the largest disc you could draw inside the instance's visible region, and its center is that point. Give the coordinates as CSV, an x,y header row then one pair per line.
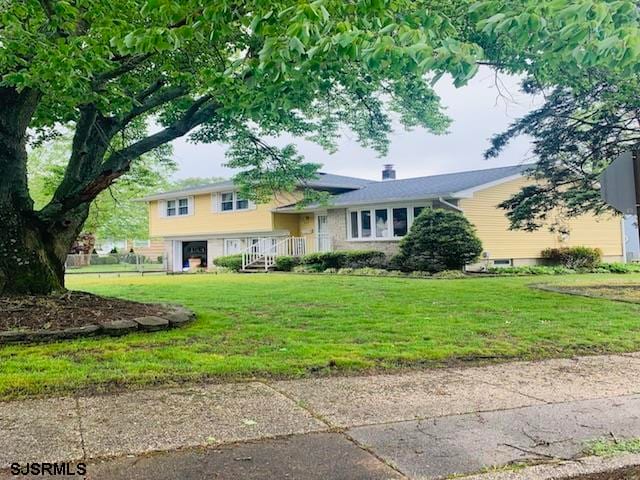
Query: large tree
x,y
233,71
115,213
236,72
582,57
576,134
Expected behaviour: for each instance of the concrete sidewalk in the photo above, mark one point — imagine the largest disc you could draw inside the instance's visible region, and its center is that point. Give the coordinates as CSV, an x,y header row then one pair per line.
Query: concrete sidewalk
x,y
425,424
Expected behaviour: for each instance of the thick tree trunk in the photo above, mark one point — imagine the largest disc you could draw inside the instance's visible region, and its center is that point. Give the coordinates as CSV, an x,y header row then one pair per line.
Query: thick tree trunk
x,y
32,252
28,261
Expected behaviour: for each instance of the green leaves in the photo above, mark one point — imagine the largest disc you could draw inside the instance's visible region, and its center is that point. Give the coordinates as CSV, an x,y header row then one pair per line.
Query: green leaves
x,y
553,38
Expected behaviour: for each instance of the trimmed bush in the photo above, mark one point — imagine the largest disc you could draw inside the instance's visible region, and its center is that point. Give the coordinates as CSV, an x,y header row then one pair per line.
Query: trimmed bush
x,y
574,257
346,259
449,274
286,264
531,270
232,262
370,271
618,268
438,240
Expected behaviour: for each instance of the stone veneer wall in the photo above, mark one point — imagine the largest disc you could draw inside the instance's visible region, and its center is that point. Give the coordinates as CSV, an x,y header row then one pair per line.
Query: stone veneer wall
x,y
337,219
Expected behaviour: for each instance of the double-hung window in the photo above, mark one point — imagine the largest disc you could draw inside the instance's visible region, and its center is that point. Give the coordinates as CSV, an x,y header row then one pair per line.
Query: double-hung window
x,y
226,203
171,208
230,201
183,206
177,207
380,223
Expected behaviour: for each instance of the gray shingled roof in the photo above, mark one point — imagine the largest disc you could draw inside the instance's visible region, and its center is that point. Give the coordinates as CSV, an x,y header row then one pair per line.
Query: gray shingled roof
x,y
446,185
324,180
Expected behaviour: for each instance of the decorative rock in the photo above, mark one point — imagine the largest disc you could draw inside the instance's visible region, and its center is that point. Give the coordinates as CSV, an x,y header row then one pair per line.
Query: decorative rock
x,y
151,324
179,317
84,331
119,327
12,337
175,316
45,335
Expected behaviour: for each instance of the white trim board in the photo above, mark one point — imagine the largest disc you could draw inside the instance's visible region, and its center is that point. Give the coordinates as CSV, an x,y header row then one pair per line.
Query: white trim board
x,y
468,193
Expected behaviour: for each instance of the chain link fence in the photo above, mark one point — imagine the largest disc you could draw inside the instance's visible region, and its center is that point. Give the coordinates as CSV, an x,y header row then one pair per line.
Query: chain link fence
x,y
114,263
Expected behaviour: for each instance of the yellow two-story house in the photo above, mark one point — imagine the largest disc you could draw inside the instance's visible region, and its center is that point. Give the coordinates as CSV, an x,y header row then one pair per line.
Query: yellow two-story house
x,y
201,223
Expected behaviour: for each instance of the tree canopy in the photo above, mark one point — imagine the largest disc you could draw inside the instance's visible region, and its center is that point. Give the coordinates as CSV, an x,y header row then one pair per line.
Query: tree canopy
x,y
240,72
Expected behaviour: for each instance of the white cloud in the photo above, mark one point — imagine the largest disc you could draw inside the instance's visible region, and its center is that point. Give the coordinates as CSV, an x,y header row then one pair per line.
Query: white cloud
x,y
479,110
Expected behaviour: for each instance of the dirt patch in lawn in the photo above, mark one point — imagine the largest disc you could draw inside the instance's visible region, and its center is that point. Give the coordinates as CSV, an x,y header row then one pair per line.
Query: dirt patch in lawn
x,y
71,309
619,292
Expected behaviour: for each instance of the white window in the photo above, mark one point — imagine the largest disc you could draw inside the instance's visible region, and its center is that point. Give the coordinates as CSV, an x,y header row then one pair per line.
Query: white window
x,y
354,225
381,222
502,262
227,201
178,207
183,206
171,208
400,222
231,201
241,203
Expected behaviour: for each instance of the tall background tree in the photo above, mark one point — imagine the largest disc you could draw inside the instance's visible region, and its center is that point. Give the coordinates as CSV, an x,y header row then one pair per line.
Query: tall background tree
x,y
582,58
240,71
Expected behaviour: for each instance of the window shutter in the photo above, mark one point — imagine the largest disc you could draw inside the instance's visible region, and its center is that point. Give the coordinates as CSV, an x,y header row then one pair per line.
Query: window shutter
x,y
215,200
191,205
162,208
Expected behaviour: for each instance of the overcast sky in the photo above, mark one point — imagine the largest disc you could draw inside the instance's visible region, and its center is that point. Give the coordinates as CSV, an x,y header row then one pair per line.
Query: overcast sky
x,y
478,111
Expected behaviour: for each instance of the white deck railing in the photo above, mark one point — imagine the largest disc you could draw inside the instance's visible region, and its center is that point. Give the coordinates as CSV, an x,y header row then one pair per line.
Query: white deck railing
x,y
268,249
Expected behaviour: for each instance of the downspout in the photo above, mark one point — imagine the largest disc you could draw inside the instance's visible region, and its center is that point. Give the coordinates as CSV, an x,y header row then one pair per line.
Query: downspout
x,y
448,204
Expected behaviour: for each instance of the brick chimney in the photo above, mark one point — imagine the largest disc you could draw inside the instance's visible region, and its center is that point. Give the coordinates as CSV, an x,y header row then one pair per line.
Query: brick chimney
x,y
388,173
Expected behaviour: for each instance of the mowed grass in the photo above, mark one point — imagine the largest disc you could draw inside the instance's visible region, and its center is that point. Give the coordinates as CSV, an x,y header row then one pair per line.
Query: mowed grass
x,y
293,325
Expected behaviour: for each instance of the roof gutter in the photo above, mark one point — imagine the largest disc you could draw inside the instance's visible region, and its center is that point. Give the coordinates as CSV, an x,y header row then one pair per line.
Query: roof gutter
x,y
312,208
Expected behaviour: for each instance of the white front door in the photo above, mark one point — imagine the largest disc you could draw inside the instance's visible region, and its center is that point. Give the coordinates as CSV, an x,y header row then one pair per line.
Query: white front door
x,y
232,246
322,233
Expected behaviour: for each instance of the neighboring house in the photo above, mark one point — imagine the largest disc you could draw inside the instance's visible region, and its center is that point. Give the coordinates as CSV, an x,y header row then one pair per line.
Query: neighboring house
x,y
213,220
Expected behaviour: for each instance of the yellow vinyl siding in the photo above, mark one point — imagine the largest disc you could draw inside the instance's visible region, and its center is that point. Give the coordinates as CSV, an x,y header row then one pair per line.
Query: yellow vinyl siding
x,y
205,221
604,232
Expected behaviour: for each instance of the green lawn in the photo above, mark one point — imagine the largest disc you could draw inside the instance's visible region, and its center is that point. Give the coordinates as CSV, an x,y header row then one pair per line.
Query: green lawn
x,y
292,325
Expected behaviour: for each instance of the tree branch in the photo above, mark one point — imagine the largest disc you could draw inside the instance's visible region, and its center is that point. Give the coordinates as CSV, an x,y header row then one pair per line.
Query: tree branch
x,y
151,102
119,161
129,64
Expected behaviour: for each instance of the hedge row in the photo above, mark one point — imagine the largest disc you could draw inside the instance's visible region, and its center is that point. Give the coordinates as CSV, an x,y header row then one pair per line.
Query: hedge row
x,y
573,257
560,270
232,262
322,261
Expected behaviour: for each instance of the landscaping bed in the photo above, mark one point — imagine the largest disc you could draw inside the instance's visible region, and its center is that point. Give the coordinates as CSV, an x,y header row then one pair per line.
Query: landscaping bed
x,y
28,318
619,292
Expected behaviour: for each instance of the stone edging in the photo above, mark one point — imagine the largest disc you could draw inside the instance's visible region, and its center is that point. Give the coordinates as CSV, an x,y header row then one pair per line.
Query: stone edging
x,y
175,316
